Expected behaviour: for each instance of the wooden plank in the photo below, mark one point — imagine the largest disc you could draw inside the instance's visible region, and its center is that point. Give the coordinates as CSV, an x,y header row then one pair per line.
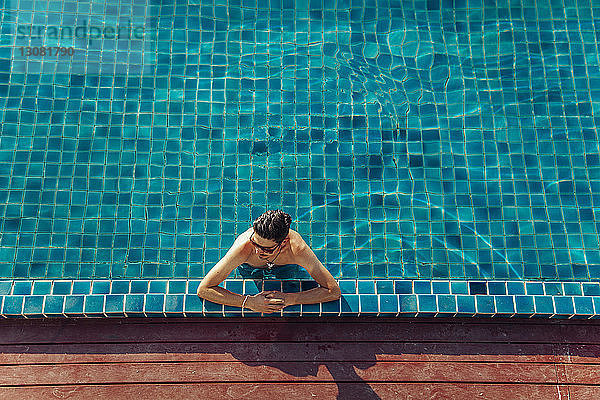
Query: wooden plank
x,y
277,351
327,330
584,392
65,374
346,391
587,374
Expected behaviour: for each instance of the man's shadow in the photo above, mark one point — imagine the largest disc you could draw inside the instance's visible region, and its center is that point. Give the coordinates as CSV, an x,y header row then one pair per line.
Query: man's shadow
x,y
339,360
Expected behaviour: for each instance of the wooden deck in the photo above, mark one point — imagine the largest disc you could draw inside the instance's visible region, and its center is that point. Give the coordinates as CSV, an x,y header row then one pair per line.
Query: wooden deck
x,y
344,358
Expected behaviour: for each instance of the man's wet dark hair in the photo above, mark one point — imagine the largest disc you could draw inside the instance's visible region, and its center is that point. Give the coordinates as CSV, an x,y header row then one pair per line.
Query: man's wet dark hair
x,y
273,225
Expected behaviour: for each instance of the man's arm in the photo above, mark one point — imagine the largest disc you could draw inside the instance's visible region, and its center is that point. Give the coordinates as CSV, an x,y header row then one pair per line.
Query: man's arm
x,y
210,290
329,289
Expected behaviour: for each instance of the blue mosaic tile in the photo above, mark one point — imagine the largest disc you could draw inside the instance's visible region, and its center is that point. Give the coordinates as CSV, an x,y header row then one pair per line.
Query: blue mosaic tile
x,y
114,304
388,303
420,287
427,303
192,286
476,288
329,308
193,305
179,287
82,287
505,304
5,287
553,289
366,287
74,305
524,305
466,304
485,304
42,287
33,306
234,286
211,308
310,309
12,305
250,288
596,300
350,304
94,305
564,305
440,287
119,287
100,287
459,287
54,305
583,305
295,310
384,287
403,287
22,287
514,288
543,305
271,285
534,288
496,288
369,304
174,305
291,286
591,289
180,304
158,287
134,304
155,304
447,304
139,287
572,289
62,287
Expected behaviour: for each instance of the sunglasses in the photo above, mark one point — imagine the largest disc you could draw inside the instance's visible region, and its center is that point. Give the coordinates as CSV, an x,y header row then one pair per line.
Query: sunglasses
x,y
265,249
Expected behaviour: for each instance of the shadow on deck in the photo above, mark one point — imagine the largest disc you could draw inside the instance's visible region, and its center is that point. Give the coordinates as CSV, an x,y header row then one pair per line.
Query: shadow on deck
x,y
316,358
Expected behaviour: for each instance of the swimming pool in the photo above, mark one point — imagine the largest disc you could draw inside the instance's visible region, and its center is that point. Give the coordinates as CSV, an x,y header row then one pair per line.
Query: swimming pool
x,y
440,157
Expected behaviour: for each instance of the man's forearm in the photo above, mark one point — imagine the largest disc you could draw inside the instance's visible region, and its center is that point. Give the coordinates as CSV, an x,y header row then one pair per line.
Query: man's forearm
x,y
317,295
219,295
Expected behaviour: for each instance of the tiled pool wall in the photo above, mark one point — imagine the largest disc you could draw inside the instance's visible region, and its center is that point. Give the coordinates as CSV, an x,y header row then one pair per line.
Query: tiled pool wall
x,y
441,157
405,298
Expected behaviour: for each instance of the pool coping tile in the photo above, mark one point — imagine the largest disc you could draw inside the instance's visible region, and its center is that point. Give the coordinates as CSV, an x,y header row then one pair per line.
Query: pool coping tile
x,y
380,297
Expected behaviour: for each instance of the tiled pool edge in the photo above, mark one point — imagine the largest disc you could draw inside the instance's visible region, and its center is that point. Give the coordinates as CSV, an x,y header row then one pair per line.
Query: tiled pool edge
x,y
403,298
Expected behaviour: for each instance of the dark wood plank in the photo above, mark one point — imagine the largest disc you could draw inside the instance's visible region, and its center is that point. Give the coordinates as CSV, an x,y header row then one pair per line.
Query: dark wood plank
x,y
284,351
346,391
589,353
211,330
235,371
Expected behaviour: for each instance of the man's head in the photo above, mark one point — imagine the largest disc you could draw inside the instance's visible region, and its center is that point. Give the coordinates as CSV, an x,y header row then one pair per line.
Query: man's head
x,y
273,225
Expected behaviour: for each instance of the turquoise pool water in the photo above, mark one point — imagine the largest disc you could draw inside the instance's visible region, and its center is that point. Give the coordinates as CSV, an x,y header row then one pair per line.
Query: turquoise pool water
x,y
452,140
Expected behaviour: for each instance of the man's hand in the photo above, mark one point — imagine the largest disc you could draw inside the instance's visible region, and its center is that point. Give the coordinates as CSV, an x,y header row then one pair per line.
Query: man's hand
x,y
286,297
263,303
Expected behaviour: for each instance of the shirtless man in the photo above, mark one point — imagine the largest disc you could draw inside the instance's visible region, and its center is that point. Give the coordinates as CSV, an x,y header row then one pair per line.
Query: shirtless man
x,y
268,245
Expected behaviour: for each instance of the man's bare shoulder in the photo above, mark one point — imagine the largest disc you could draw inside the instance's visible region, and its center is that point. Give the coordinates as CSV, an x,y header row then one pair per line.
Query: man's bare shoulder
x,y
242,245
297,243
